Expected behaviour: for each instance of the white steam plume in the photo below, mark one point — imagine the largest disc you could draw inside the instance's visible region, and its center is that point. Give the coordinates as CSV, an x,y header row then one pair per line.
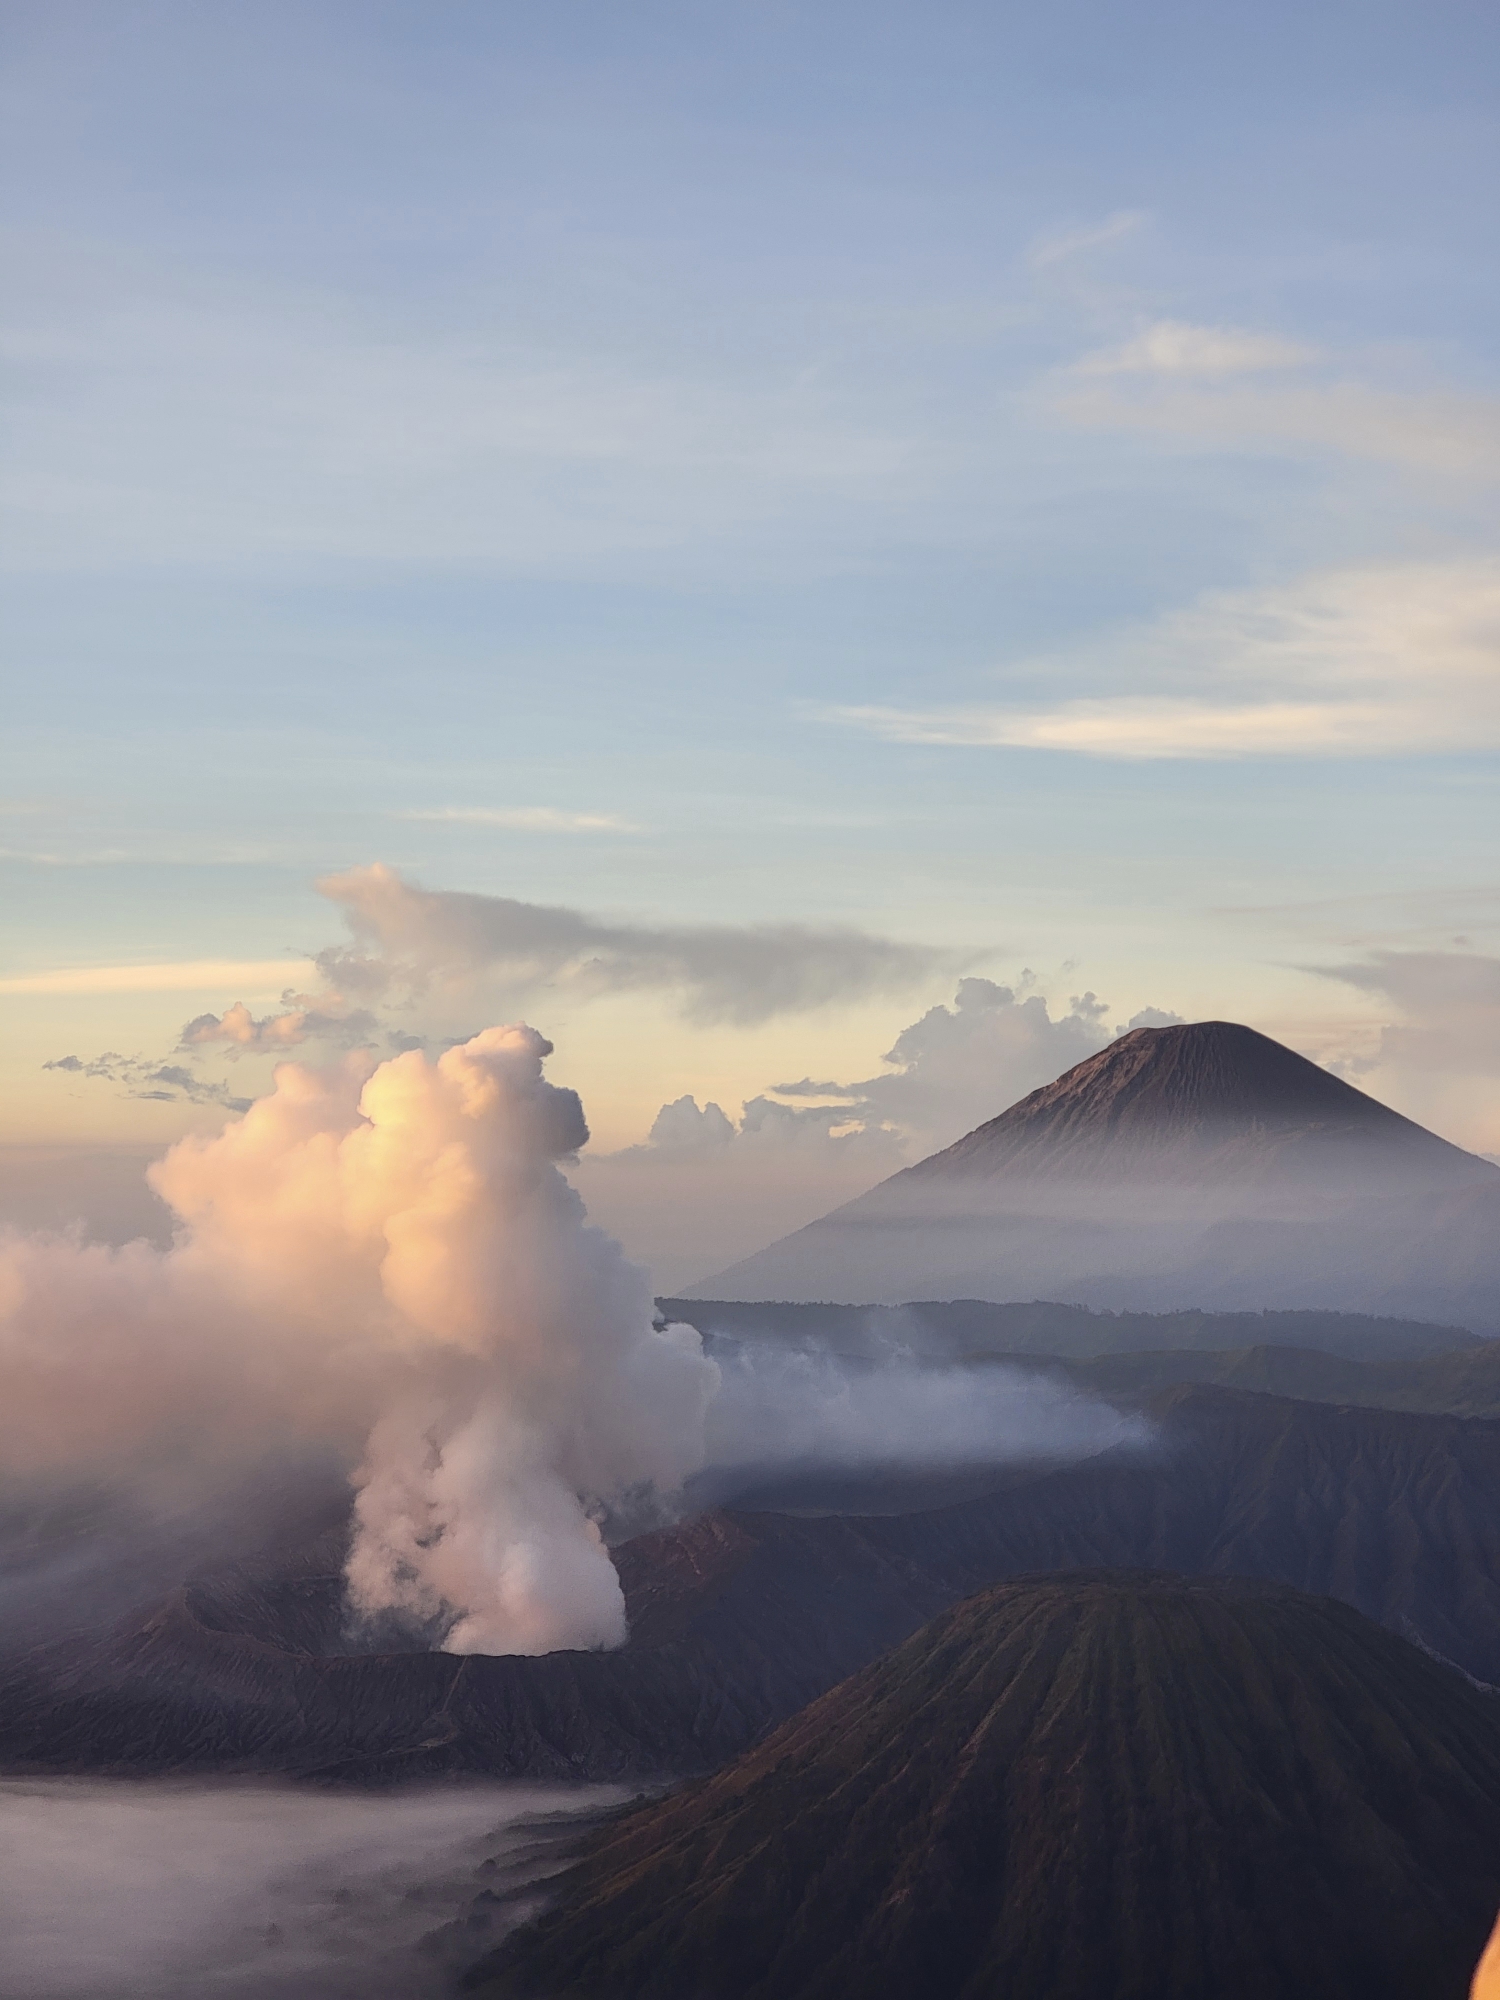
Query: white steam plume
x,y
389,1259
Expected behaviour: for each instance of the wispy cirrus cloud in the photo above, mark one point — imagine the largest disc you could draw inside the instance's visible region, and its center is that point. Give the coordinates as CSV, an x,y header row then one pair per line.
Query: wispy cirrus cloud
x,y
1446,436
524,819
199,975
1065,243
1173,347
259,425
1349,663
1204,385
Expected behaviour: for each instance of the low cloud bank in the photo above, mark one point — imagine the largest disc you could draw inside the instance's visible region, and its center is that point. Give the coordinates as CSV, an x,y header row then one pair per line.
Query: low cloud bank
x,y
169,1890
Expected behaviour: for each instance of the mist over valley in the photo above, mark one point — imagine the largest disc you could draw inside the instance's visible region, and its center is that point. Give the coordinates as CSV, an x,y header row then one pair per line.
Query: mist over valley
x,y
145,1889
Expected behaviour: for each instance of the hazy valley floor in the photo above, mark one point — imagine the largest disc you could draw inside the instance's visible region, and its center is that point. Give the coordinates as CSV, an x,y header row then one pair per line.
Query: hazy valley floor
x,y
165,1889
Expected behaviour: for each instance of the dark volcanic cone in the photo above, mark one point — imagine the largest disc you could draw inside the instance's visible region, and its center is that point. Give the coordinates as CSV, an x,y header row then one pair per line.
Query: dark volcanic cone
x,y
1201,1165
1099,1787
1212,1096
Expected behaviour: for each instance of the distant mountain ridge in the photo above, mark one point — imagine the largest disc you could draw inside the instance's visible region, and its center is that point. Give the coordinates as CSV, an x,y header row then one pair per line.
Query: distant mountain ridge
x,y
739,1618
948,1330
1067,1788
1195,1166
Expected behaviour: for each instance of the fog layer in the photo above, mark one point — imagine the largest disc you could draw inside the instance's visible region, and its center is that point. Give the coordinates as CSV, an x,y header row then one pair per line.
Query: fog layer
x,y
165,1890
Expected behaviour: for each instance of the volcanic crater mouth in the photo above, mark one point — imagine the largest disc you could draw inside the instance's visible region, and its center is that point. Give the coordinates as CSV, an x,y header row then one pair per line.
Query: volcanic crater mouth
x,y
303,1611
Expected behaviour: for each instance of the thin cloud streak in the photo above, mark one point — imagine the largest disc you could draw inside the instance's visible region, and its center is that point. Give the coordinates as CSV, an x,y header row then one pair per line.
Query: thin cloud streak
x,y
261,975
1156,729
1172,347
525,819
1443,435
1352,663
1074,242
266,428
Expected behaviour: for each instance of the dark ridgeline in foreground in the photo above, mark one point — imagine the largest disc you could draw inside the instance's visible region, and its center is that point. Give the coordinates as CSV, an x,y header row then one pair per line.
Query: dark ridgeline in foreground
x,y
1114,1785
1201,1165
738,1619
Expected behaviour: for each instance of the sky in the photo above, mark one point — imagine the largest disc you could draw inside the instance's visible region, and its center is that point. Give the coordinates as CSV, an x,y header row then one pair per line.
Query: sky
x,y
858,548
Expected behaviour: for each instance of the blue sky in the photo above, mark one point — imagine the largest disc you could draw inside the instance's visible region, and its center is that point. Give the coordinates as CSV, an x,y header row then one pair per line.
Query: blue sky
x,y
1017,481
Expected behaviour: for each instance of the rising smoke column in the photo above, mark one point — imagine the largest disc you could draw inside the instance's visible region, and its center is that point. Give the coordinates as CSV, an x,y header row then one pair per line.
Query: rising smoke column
x,y
388,1258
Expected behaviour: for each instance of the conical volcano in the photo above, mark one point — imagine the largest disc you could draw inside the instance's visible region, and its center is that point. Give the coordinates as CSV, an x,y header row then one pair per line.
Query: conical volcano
x,y
1213,1096
1121,1787
1191,1166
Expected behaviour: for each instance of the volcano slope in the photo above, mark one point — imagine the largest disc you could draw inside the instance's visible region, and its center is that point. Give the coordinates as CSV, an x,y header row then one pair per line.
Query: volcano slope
x,y
1121,1785
738,1619
1192,1166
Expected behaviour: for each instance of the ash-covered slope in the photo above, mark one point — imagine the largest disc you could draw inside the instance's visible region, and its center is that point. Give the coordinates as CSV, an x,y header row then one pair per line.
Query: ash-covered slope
x,y
739,1618
1101,1785
1199,1166
1209,1097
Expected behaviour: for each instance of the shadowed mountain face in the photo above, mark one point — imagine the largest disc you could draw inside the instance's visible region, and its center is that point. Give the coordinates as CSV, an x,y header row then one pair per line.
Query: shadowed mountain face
x,y
1128,1785
740,1618
1180,1167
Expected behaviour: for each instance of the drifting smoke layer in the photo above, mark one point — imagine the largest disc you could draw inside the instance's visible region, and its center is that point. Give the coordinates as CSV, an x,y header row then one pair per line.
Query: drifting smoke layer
x,y
802,1409
389,1260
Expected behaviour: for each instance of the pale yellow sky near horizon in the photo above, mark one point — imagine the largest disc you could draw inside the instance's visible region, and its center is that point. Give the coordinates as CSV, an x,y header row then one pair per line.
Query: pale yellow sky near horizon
x,y
625,1054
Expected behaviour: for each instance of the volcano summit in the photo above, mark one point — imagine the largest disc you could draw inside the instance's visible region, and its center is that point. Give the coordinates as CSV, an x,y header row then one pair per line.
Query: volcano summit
x,y
1201,1165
